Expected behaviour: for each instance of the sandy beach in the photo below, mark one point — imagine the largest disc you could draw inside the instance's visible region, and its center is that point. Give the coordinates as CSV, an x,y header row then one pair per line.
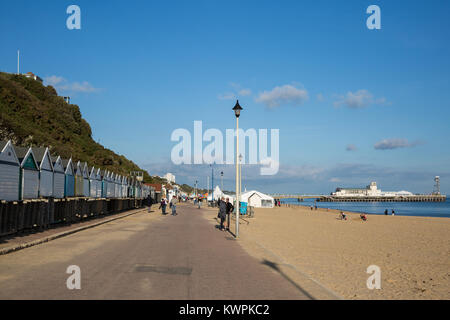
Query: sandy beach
x,y
318,251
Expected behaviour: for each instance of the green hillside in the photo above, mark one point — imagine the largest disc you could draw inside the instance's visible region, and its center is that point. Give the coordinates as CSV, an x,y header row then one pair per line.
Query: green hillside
x,y
32,114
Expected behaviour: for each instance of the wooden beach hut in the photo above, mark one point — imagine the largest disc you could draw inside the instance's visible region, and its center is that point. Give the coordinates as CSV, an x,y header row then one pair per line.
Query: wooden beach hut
x,y
118,182
29,173
110,185
58,177
124,187
9,172
86,189
98,177
104,179
79,183
45,167
93,182
69,178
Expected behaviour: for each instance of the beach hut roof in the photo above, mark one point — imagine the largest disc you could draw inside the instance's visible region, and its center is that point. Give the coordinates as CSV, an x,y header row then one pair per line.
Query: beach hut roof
x,y
57,163
26,157
68,166
40,154
246,195
7,153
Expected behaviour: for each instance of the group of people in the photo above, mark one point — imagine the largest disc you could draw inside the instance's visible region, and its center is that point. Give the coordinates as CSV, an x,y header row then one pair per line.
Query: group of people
x,y
225,209
172,204
386,212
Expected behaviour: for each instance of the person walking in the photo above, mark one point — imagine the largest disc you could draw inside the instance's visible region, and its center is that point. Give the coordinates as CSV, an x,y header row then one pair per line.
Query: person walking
x,y
163,205
230,209
222,213
386,212
173,205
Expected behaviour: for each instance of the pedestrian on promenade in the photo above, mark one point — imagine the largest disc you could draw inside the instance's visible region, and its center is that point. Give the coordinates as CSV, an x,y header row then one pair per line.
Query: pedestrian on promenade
x,y
222,213
163,205
199,203
386,212
393,212
230,209
173,205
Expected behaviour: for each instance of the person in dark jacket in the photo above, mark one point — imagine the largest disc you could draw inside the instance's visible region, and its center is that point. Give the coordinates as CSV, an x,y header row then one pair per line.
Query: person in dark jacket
x,y
230,209
222,213
149,203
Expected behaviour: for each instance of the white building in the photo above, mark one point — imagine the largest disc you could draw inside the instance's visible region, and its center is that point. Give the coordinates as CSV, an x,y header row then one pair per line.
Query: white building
x,y
170,178
257,199
370,191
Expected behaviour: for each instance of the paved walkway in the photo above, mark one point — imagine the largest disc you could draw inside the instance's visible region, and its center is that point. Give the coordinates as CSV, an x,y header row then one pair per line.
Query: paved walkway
x,y
144,256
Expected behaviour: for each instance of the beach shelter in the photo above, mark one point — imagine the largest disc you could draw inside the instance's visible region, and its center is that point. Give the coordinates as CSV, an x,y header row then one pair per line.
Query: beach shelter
x,y
29,173
86,189
79,183
257,199
45,166
58,177
9,172
69,178
93,186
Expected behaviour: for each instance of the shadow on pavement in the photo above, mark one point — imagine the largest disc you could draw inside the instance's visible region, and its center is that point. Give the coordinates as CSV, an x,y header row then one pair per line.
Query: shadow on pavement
x,y
275,267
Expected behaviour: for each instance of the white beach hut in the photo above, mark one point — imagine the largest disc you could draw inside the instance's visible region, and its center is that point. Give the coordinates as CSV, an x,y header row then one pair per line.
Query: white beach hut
x,y
58,177
29,173
9,172
110,185
118,181
104,180
45,166
124,187
85,170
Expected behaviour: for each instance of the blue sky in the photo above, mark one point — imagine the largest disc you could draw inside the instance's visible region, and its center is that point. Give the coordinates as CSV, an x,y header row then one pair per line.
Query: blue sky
x,y
352,104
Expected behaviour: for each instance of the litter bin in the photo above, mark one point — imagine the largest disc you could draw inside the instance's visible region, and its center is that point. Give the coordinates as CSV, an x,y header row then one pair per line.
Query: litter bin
x,y
243,208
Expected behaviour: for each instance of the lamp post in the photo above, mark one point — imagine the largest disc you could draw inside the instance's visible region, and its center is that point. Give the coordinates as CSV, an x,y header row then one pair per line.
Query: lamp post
x,y
212,185
240,175
237,112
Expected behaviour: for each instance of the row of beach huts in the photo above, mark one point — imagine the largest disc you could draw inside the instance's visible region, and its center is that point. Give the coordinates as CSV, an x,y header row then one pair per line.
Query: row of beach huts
x,y
33,173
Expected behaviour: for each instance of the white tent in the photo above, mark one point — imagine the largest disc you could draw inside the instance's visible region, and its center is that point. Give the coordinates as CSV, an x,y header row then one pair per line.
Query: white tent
x,y
219,194
257,199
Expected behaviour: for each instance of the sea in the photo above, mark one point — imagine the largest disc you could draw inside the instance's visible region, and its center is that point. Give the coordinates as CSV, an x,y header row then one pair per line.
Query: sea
x,y
420,209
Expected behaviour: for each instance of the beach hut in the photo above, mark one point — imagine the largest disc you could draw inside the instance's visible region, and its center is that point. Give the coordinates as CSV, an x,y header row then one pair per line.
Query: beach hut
x,y
58,177
45,167
118,182
124,187
93,185
111,189
79,183
29,173
257,199
69,178
98,177
9,172
104,181
86,189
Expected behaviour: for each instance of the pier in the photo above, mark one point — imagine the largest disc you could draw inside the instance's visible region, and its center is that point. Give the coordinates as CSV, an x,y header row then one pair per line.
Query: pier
x,y
413,198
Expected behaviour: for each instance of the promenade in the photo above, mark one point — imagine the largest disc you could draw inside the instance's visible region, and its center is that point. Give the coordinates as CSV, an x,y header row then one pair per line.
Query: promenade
x,y
146,256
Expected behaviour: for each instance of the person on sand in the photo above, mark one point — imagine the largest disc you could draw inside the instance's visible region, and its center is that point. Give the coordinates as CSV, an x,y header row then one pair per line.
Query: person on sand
x,y
230,209
173,205
222,213
393,212
386,212
343,216
363,217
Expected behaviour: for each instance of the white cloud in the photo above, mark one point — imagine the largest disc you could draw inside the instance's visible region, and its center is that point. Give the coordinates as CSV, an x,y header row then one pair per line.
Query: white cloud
x,y
395,143
351,147
287,94
62,84
320,97
359,99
